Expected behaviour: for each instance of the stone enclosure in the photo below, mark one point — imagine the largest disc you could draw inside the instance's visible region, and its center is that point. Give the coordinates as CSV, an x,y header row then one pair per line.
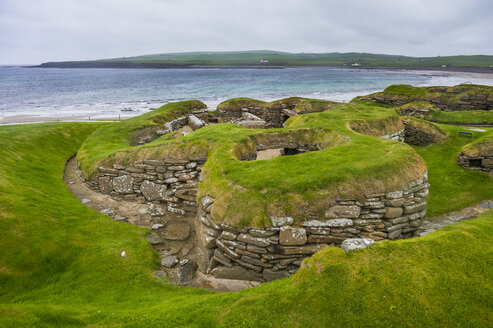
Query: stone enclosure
x,y
482,163
276,251
186,234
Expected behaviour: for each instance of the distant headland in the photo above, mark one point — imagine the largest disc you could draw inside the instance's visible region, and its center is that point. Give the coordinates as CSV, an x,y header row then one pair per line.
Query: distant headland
x,y
276,59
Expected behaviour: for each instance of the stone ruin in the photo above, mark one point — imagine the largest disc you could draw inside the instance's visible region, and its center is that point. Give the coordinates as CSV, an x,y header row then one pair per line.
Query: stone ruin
x,y
186,235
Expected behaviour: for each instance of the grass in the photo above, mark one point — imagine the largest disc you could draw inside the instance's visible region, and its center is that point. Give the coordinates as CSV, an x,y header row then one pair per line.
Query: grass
x,y
451,186
60,264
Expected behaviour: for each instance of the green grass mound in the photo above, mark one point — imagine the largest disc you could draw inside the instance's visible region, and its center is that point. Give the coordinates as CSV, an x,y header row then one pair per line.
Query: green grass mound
x,y
349,163
298,105
60,264
479,147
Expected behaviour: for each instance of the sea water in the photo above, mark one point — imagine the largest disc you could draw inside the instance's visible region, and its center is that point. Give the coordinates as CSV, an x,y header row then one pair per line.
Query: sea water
x,y
113,93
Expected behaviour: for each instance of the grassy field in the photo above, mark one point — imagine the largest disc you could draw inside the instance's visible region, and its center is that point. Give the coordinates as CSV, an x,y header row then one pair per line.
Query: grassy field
x,y
276,58
60,263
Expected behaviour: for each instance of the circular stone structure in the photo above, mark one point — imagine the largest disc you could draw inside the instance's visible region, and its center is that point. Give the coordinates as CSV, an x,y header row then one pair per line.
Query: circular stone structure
x,y
344,174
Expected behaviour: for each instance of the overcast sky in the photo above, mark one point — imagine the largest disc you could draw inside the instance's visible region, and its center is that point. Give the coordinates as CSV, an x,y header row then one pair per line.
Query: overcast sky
x,y
35,31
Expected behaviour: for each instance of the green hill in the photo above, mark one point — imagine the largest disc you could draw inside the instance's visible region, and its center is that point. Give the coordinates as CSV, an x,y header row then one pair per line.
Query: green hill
x,y
276,58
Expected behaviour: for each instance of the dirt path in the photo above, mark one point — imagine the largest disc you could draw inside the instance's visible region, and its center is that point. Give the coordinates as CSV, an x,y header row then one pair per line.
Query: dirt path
x,y
149,216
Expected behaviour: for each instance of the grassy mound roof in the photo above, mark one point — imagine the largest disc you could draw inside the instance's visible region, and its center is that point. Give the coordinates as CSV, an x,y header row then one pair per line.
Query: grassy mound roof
x,y
479,147
349,163
298,104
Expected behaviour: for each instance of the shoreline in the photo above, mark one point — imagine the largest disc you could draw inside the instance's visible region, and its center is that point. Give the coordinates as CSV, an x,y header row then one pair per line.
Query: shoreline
x,y
471,73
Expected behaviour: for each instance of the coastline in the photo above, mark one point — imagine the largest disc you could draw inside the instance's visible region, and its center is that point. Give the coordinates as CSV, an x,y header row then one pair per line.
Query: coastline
x,y
439,74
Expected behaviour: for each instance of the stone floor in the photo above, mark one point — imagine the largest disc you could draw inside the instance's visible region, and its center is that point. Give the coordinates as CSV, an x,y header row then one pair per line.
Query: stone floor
x,y
438,222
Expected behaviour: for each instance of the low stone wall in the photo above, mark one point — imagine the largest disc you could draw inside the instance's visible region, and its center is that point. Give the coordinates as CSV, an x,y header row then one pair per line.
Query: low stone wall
x,y
171,182
399,136
416,136
482,163
277,251
467,101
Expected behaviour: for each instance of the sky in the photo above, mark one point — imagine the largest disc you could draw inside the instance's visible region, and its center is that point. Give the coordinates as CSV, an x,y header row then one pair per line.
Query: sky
x,y
36,31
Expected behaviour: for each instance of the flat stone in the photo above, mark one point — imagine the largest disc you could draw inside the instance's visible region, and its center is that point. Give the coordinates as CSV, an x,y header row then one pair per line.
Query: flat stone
x,y
281,221
235,272
334,223
187,271
177,230
154,239
414,208
123,184
151,190
394,194
393,212
206,201
160,273
155,210
175,210
356,243
85,201
171,180
253,240
227,235
292,236
394,235
306,249
343,211
169,261
195,122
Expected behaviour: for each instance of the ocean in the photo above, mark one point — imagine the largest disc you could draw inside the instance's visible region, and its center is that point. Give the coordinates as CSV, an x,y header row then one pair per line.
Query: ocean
x,y
111,93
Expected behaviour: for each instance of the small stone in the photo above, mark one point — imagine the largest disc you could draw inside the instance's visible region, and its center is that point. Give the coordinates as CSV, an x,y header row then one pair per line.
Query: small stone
x,y
85,201
305,249
169,261
123,253
253,240
292,236
123,184
281,221
356,243
119,218
71,182
155,210
394,194
160,273
393,212
171,180
151,190
107,211
157,226
329,223
187,271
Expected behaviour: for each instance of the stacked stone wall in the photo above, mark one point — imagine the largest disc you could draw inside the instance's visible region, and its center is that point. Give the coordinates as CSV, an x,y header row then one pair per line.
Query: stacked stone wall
x,y
467,101
277,251
482,163
415,136
172,182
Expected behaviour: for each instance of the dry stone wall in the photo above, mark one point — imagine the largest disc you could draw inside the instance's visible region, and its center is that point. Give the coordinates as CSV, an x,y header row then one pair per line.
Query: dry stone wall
x,y
466,101
482,163
277,251
172,182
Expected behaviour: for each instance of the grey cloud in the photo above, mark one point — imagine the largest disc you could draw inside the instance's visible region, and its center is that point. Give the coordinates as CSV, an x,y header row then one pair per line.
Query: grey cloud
x,y
33,31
